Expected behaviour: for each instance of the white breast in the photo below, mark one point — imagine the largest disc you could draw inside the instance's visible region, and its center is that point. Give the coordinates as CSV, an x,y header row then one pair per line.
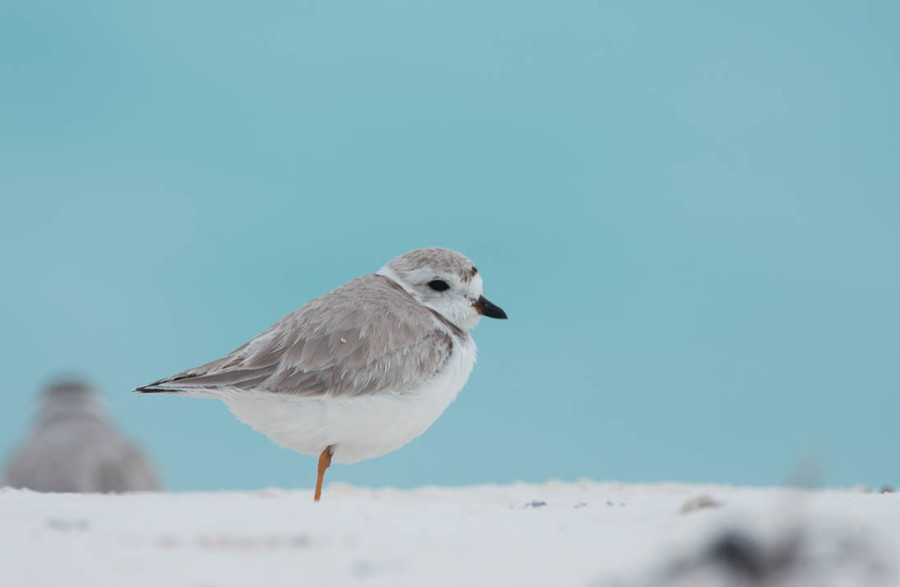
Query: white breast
x,y
361,427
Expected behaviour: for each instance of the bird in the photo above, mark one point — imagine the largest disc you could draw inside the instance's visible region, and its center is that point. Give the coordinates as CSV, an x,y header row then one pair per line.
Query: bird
x,y
360,371
72,447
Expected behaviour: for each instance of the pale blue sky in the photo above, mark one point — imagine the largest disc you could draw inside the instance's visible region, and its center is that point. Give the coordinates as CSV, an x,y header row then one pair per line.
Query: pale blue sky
x,y
689,210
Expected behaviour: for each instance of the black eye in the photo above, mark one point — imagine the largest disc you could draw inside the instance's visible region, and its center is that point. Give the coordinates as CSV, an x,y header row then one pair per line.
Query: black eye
x,y
438,285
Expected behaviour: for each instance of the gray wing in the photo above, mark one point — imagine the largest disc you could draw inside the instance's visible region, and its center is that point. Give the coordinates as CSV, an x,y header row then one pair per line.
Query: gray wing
x,y
364,337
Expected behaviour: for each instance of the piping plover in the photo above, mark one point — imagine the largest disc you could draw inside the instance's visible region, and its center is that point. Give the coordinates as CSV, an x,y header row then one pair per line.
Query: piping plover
x,y
360,371
72,447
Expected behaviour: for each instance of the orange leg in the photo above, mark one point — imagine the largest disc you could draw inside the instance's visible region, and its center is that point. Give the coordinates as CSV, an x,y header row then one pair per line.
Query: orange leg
x,y
324,463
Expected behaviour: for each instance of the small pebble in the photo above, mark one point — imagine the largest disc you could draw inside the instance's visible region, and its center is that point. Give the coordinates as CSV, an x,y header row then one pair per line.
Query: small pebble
x,y
76,524
699,503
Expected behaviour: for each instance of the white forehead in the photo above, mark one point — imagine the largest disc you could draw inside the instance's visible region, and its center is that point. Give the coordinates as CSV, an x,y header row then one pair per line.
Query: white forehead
x,y
476,287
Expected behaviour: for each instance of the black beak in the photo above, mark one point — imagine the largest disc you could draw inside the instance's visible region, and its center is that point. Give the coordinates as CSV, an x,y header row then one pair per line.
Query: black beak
x,y
486,308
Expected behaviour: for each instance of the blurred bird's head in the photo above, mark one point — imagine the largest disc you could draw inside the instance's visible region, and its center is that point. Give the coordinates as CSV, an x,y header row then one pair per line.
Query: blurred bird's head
x,y
69,395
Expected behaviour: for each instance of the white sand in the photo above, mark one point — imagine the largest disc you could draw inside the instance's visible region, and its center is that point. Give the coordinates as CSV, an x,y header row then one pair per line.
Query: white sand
x,y
584,534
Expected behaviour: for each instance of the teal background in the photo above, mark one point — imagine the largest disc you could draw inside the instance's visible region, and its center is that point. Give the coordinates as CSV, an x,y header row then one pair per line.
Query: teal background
x,y
688,209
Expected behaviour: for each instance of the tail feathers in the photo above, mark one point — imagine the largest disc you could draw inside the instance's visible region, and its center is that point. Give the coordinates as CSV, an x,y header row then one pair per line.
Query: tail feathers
x,y
236,378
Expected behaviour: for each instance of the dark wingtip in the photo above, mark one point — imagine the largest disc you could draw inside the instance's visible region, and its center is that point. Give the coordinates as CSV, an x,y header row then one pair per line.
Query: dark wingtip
x,y
152,388
161,385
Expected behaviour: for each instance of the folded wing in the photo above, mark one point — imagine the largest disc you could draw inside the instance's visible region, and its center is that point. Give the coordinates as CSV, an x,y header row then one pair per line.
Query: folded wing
x,y
367,336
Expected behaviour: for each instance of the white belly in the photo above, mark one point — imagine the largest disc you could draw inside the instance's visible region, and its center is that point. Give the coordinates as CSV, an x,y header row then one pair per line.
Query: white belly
x,y
360,427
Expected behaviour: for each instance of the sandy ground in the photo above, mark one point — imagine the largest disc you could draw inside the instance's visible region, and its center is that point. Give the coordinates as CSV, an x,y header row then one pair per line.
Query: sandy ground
x,y
551,534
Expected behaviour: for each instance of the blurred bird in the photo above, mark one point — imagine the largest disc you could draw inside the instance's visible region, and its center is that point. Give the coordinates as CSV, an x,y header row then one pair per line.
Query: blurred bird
x,y
73,447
